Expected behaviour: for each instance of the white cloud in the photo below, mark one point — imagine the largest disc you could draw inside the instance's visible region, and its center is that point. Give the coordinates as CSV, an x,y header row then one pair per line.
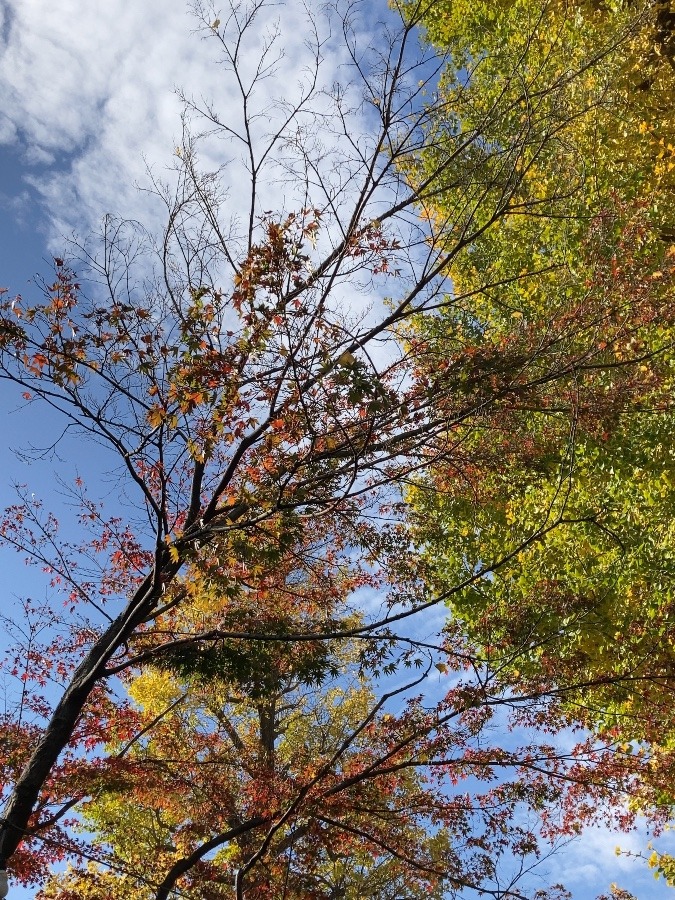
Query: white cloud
x,y
590,863
8,130
89,94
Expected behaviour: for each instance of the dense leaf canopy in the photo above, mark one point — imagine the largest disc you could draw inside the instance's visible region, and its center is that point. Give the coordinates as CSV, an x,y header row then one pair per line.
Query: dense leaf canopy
x,y
594,599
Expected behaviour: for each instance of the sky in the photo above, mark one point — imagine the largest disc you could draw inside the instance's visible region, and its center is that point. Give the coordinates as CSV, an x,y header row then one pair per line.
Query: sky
x,y
88,107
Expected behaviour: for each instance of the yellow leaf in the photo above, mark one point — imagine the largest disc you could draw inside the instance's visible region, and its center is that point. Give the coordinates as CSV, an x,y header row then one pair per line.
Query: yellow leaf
x,y
346,358
155,416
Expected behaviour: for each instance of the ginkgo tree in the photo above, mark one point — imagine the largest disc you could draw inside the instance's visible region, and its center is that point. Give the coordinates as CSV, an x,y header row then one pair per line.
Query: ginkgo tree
x,y
261,388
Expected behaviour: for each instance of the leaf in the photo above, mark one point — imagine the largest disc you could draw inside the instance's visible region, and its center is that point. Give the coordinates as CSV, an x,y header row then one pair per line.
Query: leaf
x,y
156,416
173,553
346,359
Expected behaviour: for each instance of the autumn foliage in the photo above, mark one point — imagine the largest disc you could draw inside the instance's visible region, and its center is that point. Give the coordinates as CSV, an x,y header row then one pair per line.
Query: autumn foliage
x,y
237,685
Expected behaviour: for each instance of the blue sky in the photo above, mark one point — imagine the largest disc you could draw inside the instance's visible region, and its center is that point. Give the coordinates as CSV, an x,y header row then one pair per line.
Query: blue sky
x,y
87,104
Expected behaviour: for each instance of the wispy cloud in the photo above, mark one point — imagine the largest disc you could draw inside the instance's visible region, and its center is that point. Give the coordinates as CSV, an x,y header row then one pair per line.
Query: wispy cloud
x,y
590,864
89,95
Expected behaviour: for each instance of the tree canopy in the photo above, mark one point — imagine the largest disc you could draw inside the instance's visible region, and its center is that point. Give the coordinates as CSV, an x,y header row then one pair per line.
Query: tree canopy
x,y
436,374
592,600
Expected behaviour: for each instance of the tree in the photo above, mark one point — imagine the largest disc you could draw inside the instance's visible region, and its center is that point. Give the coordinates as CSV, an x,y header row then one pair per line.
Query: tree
x,y
245,728
549,78
615,121
240,729
594,599
259,431
543,264
221,734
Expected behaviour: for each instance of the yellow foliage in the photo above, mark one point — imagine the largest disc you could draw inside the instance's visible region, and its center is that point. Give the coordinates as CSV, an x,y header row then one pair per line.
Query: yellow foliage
x,y
154,690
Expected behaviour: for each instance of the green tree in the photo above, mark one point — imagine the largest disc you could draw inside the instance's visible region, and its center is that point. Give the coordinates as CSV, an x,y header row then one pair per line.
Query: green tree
x,y
573,101
592,600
